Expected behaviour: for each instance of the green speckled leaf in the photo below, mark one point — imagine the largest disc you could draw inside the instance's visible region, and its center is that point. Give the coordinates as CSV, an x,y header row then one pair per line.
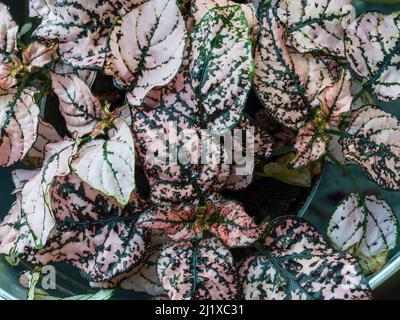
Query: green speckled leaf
x,y
109,165
19,117
199,270
296,263
373,51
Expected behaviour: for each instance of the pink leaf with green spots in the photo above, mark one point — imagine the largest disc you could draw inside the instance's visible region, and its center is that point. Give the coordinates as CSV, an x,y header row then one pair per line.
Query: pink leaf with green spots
x,y
79,107
298,264
364,226
200,270
374,145
38,55
36,200
109,165
146,48
373,51
316,25
19,116
8,33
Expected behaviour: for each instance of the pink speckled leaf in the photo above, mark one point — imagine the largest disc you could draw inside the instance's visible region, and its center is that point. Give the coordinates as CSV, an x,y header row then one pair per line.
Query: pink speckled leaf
x,y
365,227
8,33
310,146
233,226
373,50
298,264
80,109
287,83
82,27
19,117
109,165
199,8
201,270
146,48
36,201
146,279
316,25
221,67
45,134
38,55
374,145
92,233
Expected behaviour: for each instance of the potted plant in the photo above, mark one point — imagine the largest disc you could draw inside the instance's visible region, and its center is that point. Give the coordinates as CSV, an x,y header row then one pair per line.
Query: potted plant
x,y
153,131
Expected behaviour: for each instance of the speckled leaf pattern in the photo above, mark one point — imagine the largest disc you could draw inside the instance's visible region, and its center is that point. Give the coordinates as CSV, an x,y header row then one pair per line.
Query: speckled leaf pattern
x,y
146,48
45,134
36,200
109,165
363,225
92,233
311,142
373,51
79,107
146,279
375,146
8,33
287,83
202,270
225,219
310,146
199,9
38,55
19,117
316,25
82,28
298,264
21,176
221,67
40,8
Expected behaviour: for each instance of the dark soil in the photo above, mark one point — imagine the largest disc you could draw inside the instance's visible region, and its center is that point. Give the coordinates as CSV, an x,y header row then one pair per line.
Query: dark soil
x,y
268,197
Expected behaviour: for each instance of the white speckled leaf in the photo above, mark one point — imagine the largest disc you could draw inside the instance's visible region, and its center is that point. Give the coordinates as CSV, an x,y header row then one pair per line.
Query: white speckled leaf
x,y
92,232
298,264
80,109
40,8
221,66
82,28
375,145
366,226
373,50
199,9
200,270
45,134
109,165
8,33
19,117
287,83
146,48
316,25
21,176
36,201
